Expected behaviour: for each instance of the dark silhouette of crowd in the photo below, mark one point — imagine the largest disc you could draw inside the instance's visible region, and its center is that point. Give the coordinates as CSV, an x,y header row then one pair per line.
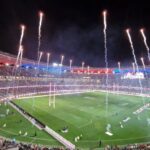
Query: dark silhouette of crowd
x,y
9,144
145,146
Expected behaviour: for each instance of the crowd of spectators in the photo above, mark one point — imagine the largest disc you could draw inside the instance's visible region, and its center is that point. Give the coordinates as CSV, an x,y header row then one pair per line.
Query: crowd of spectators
x,y
12,82
12,144
24,79
9,144
6,144
145,146
26,83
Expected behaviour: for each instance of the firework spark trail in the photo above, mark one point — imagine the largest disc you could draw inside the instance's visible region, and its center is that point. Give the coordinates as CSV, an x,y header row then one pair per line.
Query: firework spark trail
x,y
17,59
48,57
106,59
37,71
16,70
133,65
88,70
22,34
16,65
145,43
70,63
83,65
144,67
19,55
143,63
49,102
54,96
20,63
39,54
39,30
62,59
119,66
20,43
135,61
142,60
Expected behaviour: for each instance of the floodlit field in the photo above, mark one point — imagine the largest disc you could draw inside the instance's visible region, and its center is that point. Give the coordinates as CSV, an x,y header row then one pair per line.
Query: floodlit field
x,y
13,123
86,114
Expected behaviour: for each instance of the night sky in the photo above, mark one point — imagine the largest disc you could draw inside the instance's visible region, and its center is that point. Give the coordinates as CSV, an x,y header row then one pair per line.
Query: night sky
x,y
74,28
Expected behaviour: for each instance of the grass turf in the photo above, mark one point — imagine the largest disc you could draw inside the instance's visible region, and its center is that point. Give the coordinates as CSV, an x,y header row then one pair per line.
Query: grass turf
x,y
86,114
15,122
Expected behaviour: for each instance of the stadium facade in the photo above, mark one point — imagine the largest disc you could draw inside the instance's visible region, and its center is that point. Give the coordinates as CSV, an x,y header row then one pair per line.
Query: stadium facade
x,y
31,79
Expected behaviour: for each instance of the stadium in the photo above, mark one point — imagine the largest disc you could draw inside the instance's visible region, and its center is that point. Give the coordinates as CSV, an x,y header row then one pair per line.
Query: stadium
x,y
62,107
51,103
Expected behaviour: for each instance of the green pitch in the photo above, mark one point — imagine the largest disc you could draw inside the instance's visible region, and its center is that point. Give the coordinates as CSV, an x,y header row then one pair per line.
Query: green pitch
x,y
86,115
13,123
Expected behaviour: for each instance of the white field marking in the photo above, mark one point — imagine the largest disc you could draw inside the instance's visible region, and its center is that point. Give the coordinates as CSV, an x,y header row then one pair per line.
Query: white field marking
x,y
43,94
128,138
31,95
40,86
117,139
52,114
124,93
68,85
90,122
89,98
69,93
121,93
84,125
13,133
33,140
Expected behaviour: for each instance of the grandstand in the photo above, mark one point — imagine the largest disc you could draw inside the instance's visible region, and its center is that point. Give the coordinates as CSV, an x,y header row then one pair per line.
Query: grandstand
x,y
24,81
65,79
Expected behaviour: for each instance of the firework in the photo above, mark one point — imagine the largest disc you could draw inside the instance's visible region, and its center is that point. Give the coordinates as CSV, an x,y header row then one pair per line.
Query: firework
x,y
21,55
39,29
133,66
48,57
41,53
70,63
132,48
22,34
145,42
62,59
88,69
106,59
49,103
20,43
135,60
83,63
119,66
